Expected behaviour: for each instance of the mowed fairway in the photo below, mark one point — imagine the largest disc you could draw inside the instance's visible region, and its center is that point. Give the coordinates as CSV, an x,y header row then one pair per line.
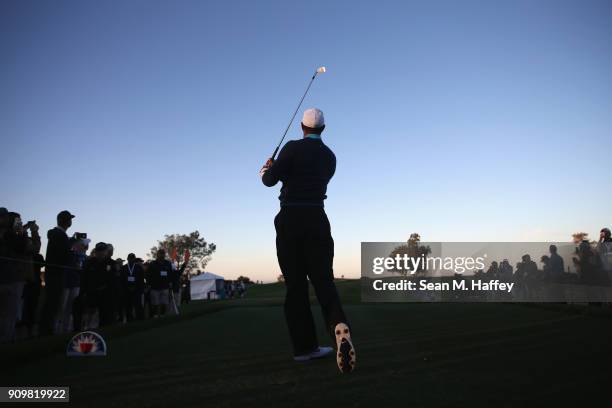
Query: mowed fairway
x,y
236,353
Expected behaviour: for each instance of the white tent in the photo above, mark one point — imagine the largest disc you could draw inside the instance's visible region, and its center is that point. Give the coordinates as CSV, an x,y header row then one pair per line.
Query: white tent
x,y
206,286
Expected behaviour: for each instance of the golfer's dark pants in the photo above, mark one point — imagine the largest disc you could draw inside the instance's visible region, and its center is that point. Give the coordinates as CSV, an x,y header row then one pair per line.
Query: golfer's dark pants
x,y
305,250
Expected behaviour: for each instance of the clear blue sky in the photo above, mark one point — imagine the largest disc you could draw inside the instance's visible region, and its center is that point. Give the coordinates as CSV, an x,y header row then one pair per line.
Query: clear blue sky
x,y
463,121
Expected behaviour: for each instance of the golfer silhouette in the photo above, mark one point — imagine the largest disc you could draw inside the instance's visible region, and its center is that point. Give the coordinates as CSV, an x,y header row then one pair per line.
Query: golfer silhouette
x,y
304,245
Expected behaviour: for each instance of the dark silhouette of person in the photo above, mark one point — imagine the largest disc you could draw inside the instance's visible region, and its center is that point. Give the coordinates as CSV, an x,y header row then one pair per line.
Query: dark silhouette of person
x,y
132,283
530,268
158,277
604,250
493,271
589,266
557,268
31,293
530,276
304,244
505,271
58,258
97,285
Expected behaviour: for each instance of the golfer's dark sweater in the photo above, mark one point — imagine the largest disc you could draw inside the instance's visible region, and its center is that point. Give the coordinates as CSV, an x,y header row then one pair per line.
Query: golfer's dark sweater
x,y
305,167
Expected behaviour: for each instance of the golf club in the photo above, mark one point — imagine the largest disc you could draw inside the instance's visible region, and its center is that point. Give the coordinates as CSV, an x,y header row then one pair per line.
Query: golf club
x,y
319,70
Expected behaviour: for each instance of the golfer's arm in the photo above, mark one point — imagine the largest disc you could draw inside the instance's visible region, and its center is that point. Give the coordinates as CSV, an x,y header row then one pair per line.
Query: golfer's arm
x,y
279,168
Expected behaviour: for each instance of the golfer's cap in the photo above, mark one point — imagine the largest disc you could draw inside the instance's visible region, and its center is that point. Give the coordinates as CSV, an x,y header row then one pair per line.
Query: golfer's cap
x,y
65,215
313,118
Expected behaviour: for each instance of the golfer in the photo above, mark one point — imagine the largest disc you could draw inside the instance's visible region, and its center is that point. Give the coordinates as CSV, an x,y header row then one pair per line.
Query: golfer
x,y
304,245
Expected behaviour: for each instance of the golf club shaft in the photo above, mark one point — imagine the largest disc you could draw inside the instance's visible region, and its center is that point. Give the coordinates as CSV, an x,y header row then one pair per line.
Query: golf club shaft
x,y
293,117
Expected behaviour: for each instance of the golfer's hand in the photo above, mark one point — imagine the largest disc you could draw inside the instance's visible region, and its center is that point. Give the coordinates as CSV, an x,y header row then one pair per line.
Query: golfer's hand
x,y
265,167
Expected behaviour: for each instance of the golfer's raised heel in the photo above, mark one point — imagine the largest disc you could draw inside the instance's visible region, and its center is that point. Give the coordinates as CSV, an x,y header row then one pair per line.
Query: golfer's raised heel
x,y
345,352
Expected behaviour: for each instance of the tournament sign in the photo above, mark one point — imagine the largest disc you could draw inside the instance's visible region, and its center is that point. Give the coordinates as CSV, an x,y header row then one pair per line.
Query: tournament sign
x,y
86,344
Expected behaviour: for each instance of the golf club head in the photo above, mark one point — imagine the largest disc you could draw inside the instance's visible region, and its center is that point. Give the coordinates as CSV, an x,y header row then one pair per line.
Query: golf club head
x,y
320,70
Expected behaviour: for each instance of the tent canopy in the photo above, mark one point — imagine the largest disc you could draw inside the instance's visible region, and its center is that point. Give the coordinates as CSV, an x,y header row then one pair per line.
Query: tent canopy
x,y
206,286
206,276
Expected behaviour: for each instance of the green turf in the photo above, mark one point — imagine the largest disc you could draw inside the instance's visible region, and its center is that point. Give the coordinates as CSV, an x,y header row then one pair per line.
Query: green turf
x,y
236,353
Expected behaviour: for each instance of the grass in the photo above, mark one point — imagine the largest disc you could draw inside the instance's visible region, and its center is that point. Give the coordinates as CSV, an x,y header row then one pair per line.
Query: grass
x,y
236,353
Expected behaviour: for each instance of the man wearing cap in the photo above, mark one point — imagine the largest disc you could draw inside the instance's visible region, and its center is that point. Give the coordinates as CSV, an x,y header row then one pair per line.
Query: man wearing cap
x,y
304,245
58,258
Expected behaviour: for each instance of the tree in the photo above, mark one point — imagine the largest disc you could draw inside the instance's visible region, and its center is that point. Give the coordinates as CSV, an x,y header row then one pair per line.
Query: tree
x,y
200,251
413,250
578,237
244,279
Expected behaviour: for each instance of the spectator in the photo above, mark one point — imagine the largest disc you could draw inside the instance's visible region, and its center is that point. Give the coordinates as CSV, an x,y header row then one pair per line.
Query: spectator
x,y
530,268
25,264
505,270
16,250
158,276
556,265
31,293
587,264
526,277
58,258
241,288
493,271
96,285
132,282
114,269
604,250
72,285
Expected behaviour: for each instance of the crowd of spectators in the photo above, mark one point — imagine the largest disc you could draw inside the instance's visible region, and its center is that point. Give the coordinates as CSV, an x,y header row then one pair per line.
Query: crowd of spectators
x,y
592,263
73,288
589,279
